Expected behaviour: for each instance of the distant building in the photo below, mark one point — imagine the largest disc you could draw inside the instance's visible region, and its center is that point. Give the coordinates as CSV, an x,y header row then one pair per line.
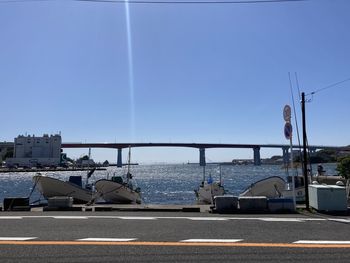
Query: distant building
x,y
31,151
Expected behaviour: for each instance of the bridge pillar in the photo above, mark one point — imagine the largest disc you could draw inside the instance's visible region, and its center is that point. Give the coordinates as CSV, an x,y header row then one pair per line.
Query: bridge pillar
x,y
257,160
119,158
285,151
202,157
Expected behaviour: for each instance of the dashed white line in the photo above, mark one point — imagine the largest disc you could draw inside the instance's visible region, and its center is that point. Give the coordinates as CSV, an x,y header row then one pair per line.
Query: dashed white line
x,y
339,220
103,217
137,217
16,238
313,219
70,217
207,218
320,242
107,239
270,219
212,240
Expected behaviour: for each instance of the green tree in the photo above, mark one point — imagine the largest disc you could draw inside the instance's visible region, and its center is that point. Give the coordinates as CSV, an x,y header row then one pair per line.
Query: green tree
x,y
8,154
343,167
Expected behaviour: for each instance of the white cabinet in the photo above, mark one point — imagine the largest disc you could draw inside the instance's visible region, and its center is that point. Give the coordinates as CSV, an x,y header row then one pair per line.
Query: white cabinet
x,y
328,197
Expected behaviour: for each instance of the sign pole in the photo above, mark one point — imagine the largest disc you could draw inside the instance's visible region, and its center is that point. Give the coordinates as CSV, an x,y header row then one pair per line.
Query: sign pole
x,y
293,173
288,131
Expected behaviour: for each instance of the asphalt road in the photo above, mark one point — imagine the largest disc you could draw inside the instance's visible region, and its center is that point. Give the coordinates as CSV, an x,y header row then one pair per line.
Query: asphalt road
x,y
171,237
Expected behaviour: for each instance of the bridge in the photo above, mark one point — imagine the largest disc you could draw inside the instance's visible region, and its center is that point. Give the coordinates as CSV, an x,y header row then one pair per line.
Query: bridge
x,y
201,146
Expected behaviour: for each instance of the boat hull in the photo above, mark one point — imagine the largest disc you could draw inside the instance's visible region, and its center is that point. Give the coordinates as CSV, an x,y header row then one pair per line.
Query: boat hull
x,y
270,187
117,193
50,187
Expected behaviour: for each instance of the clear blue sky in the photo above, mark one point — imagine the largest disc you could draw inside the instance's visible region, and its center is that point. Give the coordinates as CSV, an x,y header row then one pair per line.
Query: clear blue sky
x,y
200,73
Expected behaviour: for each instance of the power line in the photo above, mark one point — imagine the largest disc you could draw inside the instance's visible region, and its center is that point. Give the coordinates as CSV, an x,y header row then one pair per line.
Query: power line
x,y
163,1
191,1
328,87
21,1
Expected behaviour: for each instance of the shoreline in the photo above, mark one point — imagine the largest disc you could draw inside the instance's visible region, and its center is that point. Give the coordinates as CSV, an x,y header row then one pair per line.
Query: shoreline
x,y
58,169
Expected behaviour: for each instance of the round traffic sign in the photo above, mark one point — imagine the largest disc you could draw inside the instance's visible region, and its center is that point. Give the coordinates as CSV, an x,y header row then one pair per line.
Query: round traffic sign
x,y
287,113
288,130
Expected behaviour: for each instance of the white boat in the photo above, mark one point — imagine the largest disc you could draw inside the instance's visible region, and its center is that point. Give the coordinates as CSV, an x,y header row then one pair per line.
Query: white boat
x,y
271,187
274,187
117,190
50,187
208,189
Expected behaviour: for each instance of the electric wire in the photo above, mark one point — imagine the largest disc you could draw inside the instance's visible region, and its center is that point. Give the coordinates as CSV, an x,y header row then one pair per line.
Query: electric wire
x,y
298,134
163,1
191,2
315,92
328,87
298,87
23,1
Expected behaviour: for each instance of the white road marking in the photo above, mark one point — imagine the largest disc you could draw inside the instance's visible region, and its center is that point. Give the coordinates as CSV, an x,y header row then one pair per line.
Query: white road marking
x,y
70,217
103,217
340,220
37,216
207,218
212,240
199,218
321,242
271,219
107,239
16,238
313,219
137,217
243,218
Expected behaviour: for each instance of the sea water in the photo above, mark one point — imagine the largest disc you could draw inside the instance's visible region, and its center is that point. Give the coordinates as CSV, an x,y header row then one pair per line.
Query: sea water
x,y
160,184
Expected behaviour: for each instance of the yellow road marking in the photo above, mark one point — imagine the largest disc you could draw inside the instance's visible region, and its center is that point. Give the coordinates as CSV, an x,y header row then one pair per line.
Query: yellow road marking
x,y
175,244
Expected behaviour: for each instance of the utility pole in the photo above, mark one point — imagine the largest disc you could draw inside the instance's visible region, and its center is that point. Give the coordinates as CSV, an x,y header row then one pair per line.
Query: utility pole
x,y
304,152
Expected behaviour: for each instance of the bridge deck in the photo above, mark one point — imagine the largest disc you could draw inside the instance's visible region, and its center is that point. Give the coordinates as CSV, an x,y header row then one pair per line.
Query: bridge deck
x,y
190,145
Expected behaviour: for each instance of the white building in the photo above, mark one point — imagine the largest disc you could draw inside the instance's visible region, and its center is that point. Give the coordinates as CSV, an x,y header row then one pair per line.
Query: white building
x,y
30,151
